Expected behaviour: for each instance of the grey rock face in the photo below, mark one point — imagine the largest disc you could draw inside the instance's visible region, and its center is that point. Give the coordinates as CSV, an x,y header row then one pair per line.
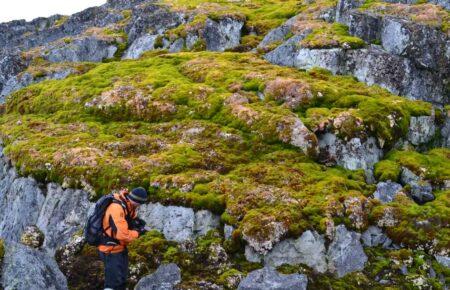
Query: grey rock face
x,y
63,213
20,81
165,278
421,129
345,253
178,223
407,176
139,46
252,256
354,154
445,133
371,65
28,268
222,35
151,17
386,191
124,4
84,49
177,45
308,249
204,222
20,201
374,237
268,278
228,231
10,65
344,7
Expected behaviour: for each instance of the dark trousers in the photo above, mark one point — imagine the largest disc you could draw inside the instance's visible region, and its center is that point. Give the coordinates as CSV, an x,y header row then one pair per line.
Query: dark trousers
x,y
116,269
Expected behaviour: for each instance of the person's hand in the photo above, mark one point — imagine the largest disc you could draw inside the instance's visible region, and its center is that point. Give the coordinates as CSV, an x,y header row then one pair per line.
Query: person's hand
x,y
142,231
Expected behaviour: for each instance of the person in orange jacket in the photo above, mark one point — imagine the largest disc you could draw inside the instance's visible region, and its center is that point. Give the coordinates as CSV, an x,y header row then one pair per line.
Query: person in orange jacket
x,y
119,224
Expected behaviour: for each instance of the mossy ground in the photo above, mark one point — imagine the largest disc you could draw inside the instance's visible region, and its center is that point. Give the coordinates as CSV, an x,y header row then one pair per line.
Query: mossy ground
x,y
166,122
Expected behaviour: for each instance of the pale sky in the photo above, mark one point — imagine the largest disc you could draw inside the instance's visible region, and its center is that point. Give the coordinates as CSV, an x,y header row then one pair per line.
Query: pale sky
x,y
30,9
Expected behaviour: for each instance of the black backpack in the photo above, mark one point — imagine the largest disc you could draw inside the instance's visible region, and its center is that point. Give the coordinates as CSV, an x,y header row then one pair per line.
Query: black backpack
x,y
94,232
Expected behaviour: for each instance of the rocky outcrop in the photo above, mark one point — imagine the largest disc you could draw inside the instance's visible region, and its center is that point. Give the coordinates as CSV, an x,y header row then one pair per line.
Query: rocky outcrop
x,y
386,191
32,237
223,34
354,154
140,45
178,223
10,65
345,253
269,278
308,249
79,50
15,83
166,277
63,213
28,268
20,201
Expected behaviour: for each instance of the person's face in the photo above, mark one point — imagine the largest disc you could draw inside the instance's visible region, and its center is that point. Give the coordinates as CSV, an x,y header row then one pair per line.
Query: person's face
x,y
134,204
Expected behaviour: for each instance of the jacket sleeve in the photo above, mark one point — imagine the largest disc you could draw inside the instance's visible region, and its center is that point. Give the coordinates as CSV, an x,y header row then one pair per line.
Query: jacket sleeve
x,y
123,234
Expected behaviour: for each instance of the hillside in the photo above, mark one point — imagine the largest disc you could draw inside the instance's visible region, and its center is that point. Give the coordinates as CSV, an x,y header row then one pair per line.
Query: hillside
x,y
311,136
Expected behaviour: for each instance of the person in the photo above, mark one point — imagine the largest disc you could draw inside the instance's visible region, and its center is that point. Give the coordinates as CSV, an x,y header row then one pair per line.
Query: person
x,y
121,226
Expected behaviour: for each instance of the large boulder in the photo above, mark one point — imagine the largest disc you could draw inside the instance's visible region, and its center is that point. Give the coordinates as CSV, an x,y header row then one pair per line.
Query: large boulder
x,y
63,213
178,223
32,237
223,34
420,191
345,253
269,279
166,277
80,49
354,154
28,268
421,129
386,191
308,249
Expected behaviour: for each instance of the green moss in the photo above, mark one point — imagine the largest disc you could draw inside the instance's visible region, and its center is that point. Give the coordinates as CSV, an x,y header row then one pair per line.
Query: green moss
x,y
332,35
2,250
387,170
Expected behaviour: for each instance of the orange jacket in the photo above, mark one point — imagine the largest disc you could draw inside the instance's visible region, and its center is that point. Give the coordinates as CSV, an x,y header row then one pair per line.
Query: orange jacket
x,y
125,235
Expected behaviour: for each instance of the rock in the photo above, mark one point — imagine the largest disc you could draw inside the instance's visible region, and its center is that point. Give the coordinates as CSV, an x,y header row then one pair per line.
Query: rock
x,y
374,237
10,65
217,256
79,50
222,35
262,245
443,260
15,83
344,7
308,249
268,278
63,213
123,4
445,132
279,33
252,256
140,45
28,268
21,200
286,53
178,223
354,154
204,222
228,232
386,191
151,18
345,253
421,129
177,45
420,191
166,277
32,237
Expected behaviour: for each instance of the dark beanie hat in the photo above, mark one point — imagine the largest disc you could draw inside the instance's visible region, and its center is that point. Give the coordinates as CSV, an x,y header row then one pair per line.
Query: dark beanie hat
x,y
138,194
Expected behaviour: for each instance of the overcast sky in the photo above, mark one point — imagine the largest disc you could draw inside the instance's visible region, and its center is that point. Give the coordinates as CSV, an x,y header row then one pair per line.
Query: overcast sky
x,y
30,9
